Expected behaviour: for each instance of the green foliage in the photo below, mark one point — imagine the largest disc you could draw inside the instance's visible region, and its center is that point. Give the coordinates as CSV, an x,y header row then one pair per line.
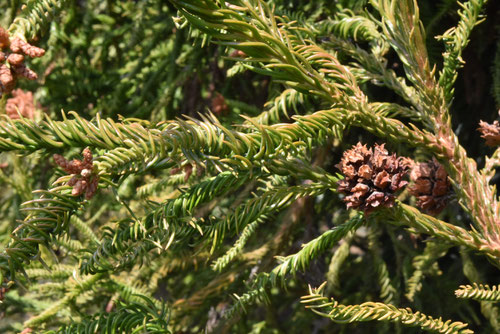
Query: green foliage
x,y
127,318
380,312
216,128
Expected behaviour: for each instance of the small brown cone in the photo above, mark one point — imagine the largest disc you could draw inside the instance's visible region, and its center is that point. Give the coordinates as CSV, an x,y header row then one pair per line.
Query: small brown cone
x,y
372,177
430,186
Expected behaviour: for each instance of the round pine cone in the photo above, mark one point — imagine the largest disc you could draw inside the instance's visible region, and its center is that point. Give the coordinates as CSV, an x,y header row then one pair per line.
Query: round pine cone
x,y
430,186
372,177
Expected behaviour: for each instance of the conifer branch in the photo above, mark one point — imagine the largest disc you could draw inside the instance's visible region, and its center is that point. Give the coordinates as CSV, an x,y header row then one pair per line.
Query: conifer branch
x,y
423,264
292,263
338,259
47,216
36,16
456,40
407,215
163,223
127,318
370,311
300,260
479,292
77,289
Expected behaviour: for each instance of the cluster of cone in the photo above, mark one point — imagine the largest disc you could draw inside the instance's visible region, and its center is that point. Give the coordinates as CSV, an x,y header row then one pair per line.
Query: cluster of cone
x,y
12,54
372,177
83,180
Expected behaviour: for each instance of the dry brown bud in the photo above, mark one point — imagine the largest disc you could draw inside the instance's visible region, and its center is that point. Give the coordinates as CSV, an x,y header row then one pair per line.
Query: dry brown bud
x,y
372,177
15,59
4,38
430,186
490,132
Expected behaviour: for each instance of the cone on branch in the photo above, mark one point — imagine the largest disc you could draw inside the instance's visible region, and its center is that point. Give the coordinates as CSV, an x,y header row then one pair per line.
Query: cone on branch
x,y
12,57
371,177
430,186
83,181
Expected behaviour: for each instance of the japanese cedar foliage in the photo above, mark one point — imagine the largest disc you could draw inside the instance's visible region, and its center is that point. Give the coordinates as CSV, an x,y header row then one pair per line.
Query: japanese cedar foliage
x,y
216,132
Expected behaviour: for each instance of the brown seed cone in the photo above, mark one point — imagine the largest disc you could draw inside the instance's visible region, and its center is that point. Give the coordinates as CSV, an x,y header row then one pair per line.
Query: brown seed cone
x,y
15,59
4,38
23,71
490,132
22,101
372,177
430,186
6,78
